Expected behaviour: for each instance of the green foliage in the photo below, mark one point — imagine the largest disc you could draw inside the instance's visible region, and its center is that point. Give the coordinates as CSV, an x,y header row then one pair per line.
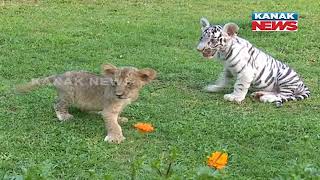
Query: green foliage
x,y
308,171
39,38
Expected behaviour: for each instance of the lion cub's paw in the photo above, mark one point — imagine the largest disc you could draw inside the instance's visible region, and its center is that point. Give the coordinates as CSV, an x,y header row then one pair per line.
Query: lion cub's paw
x,y
64,116
212,88
122,120
232,97
114,138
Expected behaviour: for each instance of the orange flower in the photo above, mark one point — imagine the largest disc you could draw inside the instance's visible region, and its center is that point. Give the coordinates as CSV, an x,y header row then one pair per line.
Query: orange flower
x,y
144,127
218,160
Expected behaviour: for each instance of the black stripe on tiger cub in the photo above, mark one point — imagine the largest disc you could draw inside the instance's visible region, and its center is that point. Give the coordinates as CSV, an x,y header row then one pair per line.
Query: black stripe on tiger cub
x,y
262,71
250,49
229,53
269,76
289,80
241,69
284,76
233,65
236,55
269,83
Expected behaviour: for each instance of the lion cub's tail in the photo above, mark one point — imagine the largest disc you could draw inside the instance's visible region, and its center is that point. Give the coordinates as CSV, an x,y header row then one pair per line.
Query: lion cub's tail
x,y
35,83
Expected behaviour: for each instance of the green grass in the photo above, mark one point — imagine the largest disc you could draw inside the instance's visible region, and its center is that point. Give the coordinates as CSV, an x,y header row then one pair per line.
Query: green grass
x,y
51,37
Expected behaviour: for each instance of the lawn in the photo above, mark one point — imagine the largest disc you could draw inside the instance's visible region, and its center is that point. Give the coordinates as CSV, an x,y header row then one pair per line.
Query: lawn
x,y
49,37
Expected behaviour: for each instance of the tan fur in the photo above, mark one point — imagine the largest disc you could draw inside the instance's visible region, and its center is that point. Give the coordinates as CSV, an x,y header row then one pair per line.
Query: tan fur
x,y
120,87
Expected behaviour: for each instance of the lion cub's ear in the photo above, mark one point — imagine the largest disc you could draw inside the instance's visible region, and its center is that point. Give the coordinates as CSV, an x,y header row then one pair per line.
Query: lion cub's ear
x,y
108,69
147,74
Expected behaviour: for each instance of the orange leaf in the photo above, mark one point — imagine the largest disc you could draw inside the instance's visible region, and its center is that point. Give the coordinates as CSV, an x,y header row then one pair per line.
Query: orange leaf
x,y
144,127
218,160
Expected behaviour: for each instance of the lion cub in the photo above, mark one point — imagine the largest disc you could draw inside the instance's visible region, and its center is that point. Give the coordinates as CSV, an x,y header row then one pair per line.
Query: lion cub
x,y
110,93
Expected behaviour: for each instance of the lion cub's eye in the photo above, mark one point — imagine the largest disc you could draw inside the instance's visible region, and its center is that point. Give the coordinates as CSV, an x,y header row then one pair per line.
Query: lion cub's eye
x,y
115,83
129,83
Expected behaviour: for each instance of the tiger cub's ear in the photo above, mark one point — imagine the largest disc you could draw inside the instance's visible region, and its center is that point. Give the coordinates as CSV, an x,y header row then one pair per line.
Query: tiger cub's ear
x,y
231,29
204,23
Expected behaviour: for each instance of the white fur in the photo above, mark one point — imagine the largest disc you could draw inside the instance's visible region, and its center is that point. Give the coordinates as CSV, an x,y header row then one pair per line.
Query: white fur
x,y
269,98
250,66
234,97
213,88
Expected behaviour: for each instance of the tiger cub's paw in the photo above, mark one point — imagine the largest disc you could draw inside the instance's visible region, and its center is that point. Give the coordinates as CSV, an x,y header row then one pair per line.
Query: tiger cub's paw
x,y
232,97
213,88
256,95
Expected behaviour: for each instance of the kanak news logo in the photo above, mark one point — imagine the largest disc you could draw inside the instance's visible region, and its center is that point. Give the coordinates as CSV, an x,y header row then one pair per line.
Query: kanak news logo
x,y
274,21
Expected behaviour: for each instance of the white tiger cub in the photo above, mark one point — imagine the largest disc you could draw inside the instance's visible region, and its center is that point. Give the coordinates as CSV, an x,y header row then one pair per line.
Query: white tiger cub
x,y
274,80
